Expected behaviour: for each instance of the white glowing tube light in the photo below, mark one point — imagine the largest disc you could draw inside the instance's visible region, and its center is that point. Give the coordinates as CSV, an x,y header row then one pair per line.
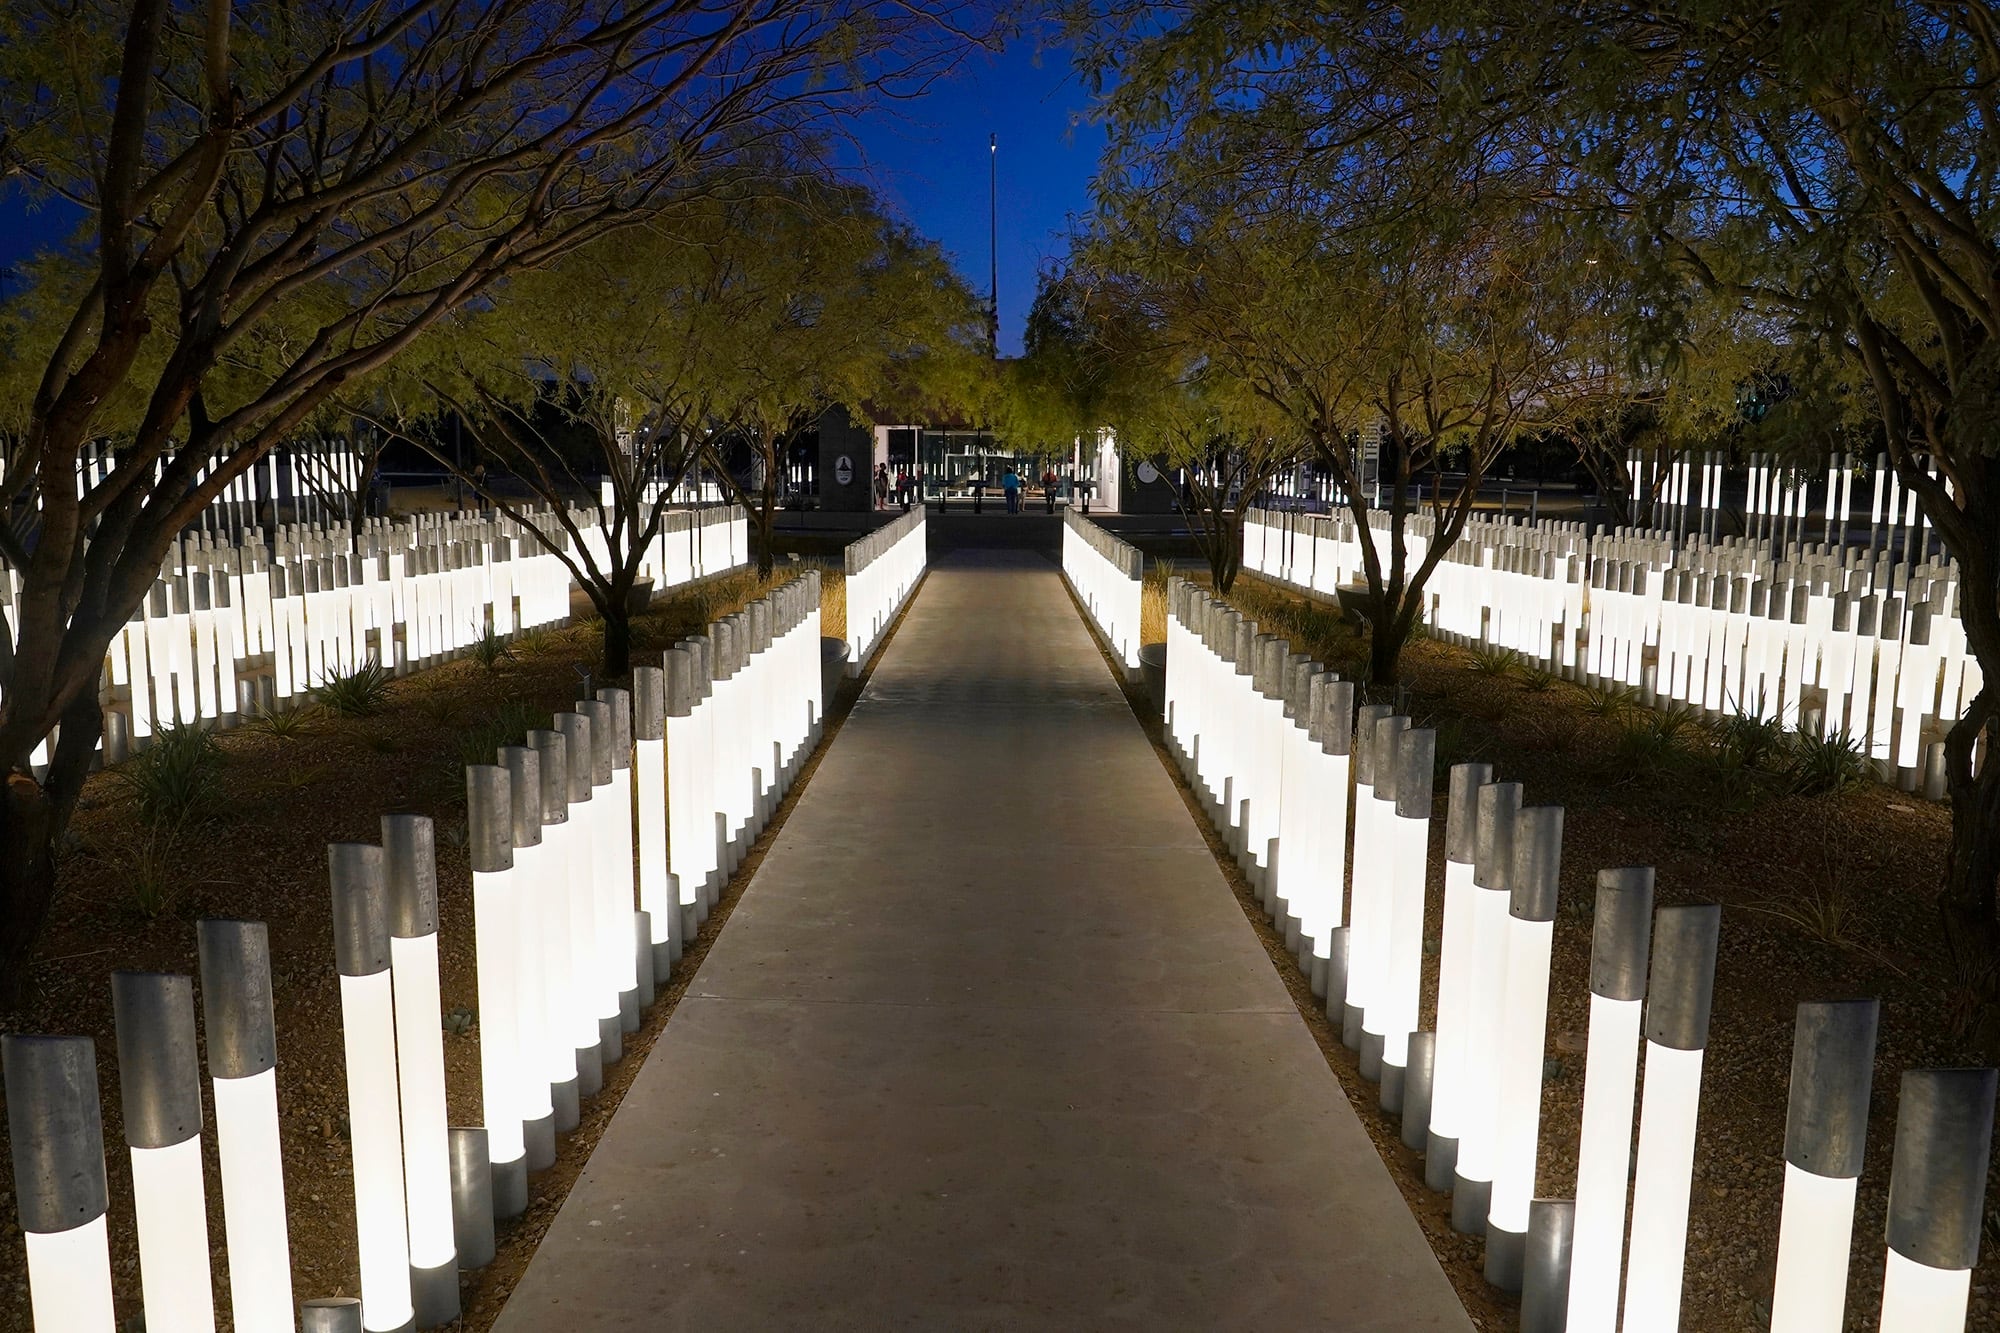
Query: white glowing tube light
x,y
368,1022
1815,1232
1917,1298
69,1279
172,1216
1603,1161
503,1055
253,1202
420,1080
1518,1105
1661,1184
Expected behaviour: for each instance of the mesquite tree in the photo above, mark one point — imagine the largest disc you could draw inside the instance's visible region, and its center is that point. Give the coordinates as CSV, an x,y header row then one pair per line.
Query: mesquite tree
x,y
281,199
833,303
1364,284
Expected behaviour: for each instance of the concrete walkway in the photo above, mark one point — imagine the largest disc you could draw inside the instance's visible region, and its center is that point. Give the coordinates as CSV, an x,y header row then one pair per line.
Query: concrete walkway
x,y
987,1044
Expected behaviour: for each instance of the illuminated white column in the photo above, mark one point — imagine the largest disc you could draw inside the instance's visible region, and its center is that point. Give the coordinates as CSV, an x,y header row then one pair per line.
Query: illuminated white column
x,y
687,867
1408,826
621,892
368,1031
1365,895
159,1081
1530,938
1332,740
1448,1092
1937,1188
1498,806
649,785
544,1061
409,862
611,921
577,866
241,1041
1620,940
1677,1007
57,1137
1826,1130
496,920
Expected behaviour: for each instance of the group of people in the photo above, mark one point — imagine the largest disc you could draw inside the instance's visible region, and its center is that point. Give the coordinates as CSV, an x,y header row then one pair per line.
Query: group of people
x,y
903,485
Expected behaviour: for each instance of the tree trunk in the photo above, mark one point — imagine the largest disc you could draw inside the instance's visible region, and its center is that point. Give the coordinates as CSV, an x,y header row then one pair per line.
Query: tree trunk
x,y
1972,880
33,816
1387,632
617,653
767,526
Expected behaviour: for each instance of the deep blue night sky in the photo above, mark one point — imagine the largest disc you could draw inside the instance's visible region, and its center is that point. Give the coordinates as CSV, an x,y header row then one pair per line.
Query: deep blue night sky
x,y
929,157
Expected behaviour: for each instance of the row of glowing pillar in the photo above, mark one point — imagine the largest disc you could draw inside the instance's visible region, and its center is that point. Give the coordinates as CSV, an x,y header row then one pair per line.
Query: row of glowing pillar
x,y
882,569
1252,723
560,850
1105,572
1758,635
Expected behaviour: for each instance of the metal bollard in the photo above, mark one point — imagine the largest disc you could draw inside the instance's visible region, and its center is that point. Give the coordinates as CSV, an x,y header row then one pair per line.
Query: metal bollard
x,y
1677,1010
1447,1093
566,1076
330,1314
1530,933
242,1044
409,862
1944,1137
609,915
1409,824
649,784
1620,941
1499,804
159,1080
1826,1128
57,1141
472,1210
1417,1084
1545,1277
368,1024
547,1062
583,1016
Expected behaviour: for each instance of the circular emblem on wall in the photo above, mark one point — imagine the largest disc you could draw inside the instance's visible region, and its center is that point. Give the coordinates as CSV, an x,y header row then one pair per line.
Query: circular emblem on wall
x,y
843,470
1147,472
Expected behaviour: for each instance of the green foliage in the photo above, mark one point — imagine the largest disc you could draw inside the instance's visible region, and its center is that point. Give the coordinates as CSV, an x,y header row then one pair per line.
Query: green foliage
x,y
361,692
1485,660
507,725
1749,741
489,650
286,724
177,779
1822,765
1534,678
147,868
1610,701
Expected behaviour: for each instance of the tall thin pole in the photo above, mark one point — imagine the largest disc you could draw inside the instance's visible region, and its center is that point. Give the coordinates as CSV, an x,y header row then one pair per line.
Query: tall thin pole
x,y
993,240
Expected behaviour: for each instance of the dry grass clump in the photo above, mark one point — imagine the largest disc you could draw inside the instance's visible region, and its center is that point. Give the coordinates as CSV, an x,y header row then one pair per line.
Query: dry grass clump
x,y
832,598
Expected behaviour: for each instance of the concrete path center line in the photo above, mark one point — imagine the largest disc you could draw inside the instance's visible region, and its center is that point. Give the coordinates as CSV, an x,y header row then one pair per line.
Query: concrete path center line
x,y
987,1044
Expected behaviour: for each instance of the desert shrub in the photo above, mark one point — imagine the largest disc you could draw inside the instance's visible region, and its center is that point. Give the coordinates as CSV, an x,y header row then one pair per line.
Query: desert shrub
x,y
1821,765
361,692
177,778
